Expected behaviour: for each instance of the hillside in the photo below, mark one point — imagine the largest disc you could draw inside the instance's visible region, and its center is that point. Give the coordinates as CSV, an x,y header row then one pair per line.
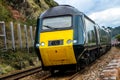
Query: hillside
x,y
115,31
23,10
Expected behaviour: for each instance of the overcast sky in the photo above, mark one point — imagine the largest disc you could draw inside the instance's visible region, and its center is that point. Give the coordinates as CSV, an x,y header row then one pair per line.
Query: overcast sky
x,y
104,12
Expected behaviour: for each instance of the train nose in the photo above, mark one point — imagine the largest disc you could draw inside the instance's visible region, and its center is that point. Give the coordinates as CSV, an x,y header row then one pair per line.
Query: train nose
x,y
58,48
58,55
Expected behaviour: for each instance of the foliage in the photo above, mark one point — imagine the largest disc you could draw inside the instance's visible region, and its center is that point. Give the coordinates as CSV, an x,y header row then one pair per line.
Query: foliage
x,y
4,13
30,22
17,59
115,31
118,37
51,3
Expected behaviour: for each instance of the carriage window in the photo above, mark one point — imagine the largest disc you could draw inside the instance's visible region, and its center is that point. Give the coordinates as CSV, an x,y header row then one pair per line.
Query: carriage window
x,y
91,39
103,36
57,22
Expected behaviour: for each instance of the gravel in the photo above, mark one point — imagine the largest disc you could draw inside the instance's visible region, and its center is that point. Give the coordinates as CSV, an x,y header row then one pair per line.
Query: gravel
x,y
93,72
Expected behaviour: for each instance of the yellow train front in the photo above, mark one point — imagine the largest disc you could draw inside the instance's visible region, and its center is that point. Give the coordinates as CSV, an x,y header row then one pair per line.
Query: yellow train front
x,y
60,38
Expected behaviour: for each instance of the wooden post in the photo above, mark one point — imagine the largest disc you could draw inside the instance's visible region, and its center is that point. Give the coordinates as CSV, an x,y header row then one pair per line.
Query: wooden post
x,y
12,36
26,37
34,32
31,35
19,36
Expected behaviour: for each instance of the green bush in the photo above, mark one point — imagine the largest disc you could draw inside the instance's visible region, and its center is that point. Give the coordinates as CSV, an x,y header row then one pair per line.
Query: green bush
x,y
5,15
30,22
17,60
51,3
118,37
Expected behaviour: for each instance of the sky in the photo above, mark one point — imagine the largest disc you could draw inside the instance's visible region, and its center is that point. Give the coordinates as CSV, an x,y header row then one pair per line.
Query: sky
x,y
103,12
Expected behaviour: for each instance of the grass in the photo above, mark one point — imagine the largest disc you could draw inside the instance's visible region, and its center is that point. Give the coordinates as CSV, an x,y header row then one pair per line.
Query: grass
x,y
5,68
10,61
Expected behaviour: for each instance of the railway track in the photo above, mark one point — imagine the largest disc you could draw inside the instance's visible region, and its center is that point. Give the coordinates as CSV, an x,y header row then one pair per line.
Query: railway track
x,y
73,75
21,74
77,74
64,76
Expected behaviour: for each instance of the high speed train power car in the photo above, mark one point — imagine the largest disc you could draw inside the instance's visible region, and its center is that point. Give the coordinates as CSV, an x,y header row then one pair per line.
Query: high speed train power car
x,y
67,39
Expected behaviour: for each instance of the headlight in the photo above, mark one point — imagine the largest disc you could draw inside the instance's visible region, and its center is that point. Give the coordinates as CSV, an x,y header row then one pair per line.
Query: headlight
x,y
42,44
74,41
37,45
69,41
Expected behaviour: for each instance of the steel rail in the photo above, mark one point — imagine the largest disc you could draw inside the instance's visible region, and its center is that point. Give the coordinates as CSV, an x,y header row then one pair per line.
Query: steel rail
x,y
21,74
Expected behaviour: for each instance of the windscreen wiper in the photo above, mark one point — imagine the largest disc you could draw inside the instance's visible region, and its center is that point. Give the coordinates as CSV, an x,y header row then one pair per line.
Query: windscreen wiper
x,y
48,27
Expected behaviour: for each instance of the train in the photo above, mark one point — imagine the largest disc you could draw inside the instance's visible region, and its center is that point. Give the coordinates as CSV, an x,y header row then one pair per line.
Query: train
x,y
67,39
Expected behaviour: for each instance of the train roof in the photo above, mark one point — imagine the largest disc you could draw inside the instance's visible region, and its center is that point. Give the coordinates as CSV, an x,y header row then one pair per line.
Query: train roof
x,y
63,10
60,10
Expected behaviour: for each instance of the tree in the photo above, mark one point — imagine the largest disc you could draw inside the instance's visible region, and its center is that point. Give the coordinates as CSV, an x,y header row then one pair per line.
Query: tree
x,y
118,37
